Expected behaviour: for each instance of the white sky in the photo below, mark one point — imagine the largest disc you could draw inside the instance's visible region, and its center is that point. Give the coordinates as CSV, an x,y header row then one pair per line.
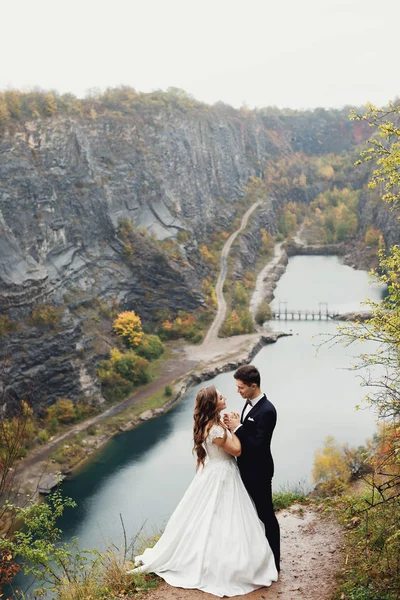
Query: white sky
x,y
295,53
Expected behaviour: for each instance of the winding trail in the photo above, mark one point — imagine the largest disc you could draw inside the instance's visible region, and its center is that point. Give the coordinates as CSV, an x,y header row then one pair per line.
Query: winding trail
x,y
260,289
298,238
212,333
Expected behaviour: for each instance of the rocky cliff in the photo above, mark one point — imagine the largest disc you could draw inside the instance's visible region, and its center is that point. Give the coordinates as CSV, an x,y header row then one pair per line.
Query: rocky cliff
x,y
67,184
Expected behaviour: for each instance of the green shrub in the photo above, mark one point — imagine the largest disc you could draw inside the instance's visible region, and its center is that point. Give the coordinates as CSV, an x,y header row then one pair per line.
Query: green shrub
x,y
121,373
240,295
43,436
237,322
263,313
113,386
132,367
63,410
92,429
45,315
52,425
6,325
168,391
285,498
150,347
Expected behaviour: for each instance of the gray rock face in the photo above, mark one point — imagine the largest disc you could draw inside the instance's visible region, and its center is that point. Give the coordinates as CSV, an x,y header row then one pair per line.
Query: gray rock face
x,y
381,216
250,241
65,184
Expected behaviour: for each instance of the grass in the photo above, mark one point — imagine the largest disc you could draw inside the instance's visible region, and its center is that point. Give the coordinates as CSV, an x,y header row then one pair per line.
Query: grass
x,y
105,575
286,497
371,569
108,580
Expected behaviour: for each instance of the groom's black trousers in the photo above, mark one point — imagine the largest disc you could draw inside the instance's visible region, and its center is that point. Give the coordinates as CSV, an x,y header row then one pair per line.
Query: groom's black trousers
x,y
262,498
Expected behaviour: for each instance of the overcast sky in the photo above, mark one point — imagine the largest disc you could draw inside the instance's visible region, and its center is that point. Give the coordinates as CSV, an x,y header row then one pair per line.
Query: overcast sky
x,y
289,53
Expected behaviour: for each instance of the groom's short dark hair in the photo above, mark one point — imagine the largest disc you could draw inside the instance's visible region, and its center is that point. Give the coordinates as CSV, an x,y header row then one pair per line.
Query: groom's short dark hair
x,y
248,374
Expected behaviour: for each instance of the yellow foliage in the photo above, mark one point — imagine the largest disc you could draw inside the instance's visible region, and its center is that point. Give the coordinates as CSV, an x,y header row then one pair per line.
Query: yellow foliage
x,y
129,326
374,237
327,172
209,291
115,355
205,253
302,180
330,468
63,410
267,241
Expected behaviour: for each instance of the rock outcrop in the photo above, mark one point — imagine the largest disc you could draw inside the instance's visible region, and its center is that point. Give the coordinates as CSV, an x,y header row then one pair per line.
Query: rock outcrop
x,y
67,183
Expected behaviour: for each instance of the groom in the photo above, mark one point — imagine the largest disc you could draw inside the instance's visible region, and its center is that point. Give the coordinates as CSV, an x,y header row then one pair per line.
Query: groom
x,y
254,429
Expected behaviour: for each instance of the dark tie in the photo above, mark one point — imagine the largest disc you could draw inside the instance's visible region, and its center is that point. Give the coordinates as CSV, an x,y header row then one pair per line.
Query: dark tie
x,y
248,403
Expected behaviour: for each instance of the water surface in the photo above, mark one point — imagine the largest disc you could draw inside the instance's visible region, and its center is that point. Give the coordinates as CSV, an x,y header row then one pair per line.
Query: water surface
x,y
142,474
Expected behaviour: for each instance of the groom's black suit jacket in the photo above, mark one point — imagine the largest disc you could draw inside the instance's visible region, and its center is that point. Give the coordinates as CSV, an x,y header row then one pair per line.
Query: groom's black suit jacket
x,y
257,467
255,463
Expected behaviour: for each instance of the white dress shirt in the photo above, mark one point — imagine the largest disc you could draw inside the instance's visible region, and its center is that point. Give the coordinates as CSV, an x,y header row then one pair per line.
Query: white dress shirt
x,y
249,408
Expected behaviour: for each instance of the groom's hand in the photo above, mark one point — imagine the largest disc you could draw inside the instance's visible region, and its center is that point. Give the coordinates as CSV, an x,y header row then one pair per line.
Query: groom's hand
x,y
232,420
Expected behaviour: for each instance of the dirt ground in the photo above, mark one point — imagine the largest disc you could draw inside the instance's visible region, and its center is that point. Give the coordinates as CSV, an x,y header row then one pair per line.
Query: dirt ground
x,y
311,556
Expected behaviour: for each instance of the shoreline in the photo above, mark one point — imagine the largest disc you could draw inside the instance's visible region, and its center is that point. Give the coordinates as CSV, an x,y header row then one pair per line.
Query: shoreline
x,y
191,379
48,480
204,368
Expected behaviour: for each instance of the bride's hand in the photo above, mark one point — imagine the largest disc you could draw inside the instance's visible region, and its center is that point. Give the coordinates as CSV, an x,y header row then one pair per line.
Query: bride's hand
x,y
232,420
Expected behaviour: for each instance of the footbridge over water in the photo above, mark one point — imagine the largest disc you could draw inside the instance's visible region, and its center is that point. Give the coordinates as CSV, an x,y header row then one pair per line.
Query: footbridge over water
x,y
285,313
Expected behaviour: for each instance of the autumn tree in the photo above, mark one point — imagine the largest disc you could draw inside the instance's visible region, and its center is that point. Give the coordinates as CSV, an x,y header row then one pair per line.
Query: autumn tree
x,y
267,241
374,237
330,470
4,113
13,100
384,150
129,326
63,410
383,330
50,105
379,531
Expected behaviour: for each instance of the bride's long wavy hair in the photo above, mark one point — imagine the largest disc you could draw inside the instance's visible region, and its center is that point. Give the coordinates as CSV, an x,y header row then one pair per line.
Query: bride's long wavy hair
x,y
205,415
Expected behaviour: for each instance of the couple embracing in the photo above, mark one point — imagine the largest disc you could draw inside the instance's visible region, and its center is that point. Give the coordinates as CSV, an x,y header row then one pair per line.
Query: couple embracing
x,y
223,537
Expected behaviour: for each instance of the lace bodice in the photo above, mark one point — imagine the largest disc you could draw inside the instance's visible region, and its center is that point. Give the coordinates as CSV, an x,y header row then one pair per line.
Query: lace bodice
x,y
214,452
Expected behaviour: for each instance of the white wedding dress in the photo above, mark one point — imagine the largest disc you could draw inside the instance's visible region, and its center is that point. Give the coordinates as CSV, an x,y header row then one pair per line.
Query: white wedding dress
x,y
214,541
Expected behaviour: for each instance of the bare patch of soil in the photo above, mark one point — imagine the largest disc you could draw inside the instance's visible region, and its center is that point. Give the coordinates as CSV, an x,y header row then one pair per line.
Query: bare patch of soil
x,y
311,557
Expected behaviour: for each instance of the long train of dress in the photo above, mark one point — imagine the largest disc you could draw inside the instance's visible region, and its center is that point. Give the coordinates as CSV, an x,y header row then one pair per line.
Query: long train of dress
x,y
214,540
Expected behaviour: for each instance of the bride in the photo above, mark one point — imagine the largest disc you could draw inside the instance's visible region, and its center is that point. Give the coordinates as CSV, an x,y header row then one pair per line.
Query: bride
x,y
214,541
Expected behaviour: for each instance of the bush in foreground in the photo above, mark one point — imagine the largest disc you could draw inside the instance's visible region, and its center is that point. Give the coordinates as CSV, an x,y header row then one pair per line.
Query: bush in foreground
x,y
63,569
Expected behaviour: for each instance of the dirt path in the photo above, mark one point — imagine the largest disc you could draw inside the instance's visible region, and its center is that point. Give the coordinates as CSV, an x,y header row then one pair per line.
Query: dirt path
x,y
260,288
311,556
221,312
298,238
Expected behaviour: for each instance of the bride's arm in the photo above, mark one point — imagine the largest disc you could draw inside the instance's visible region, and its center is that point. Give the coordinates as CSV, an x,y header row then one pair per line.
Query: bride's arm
x,y
230,445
